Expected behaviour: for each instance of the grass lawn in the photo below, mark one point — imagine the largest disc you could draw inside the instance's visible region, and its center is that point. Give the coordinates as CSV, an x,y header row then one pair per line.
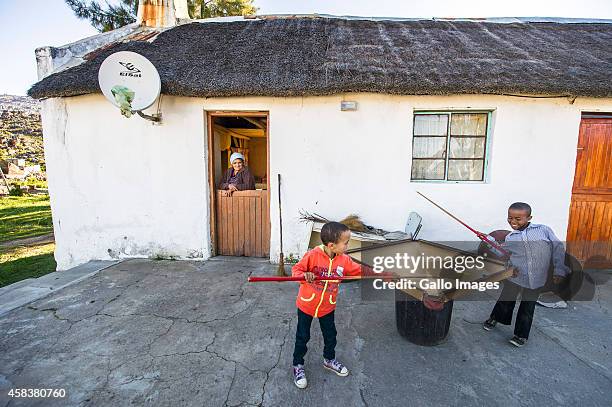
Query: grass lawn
x,y
26,262
24,216
21,217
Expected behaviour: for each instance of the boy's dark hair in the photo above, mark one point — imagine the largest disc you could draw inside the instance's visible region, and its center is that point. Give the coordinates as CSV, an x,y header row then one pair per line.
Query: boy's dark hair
x,y
521,206
331,232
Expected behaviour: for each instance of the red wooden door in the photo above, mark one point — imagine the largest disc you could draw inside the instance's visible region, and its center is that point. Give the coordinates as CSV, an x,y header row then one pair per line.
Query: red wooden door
x,y
589,233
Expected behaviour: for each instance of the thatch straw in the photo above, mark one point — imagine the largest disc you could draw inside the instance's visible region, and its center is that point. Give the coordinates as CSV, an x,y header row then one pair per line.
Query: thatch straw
x,y
322,56
354,223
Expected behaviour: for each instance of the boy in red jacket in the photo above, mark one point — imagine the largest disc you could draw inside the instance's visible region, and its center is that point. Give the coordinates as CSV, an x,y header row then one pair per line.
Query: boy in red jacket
x,y
317,299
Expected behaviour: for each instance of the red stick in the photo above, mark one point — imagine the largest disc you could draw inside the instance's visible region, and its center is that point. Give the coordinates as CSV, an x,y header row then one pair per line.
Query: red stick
x,y
384,275
480,235
283,279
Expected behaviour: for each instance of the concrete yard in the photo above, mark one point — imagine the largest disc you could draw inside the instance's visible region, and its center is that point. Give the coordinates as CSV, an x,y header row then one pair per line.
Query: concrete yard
x,y
177,333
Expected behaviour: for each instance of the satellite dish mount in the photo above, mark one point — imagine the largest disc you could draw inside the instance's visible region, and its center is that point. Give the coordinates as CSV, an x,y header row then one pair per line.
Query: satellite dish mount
x,y
130,82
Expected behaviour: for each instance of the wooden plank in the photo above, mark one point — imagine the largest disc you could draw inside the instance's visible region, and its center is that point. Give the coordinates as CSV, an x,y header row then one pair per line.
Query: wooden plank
x,y
607,175
211,184
235,227
219,223
590,155
226,234
604,197
579,231
584,145
256,122
598,212
265,232
242,230
609,229
607,220
599,177
572,231
247,132
241,113
268,176
247,226
594,157
219,228
258,248
588,220
573,235
253,222
228,225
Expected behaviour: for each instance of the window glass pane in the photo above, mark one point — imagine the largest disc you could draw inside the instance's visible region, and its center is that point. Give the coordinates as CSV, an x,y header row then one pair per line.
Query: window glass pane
x,y
428,147
469,124
428,169
467,147
465,170
430,124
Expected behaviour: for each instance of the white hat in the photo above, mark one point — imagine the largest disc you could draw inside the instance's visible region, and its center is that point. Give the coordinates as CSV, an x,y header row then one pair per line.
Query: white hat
x,y
236,156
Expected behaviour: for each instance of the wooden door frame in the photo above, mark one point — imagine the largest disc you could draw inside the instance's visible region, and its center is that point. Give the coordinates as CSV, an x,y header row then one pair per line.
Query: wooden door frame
x,y
212,188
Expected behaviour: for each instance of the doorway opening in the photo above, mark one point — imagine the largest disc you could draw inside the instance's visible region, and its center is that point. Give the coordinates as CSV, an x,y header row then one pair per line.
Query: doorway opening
x,y
240,219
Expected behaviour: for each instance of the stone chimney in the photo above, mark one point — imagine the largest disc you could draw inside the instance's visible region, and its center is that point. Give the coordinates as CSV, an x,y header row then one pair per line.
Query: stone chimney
x,y
161,13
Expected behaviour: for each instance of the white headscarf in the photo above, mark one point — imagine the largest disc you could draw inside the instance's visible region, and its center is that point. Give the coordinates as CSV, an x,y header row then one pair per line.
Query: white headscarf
x,y
236,156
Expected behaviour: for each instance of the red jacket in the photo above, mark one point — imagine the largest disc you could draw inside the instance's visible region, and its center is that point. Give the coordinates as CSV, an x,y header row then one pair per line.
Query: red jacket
x,y
319,297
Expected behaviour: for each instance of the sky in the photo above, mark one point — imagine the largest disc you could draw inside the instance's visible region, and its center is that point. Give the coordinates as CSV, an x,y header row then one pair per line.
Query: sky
x,y
28,24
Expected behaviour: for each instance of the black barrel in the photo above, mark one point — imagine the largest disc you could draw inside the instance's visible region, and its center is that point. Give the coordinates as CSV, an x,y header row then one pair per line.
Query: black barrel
x,y
419,324
570,286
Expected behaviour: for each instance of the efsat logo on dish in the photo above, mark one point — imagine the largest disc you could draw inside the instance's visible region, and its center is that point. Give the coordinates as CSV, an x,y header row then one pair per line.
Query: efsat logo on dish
x,y
131,70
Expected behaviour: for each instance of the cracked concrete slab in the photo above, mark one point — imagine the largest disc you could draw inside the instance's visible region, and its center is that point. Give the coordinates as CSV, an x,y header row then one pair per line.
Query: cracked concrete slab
x,y
166,333
31,289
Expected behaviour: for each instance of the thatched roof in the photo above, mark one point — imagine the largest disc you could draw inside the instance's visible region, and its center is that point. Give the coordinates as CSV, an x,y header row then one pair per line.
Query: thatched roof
x,y
322,56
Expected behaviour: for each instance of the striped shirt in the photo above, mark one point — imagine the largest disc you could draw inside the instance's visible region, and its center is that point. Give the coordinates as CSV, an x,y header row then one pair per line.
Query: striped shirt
x,y
531,251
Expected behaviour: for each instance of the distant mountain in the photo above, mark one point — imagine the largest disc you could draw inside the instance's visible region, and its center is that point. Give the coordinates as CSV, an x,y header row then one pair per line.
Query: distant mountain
x,y
24,104
20,129
19,115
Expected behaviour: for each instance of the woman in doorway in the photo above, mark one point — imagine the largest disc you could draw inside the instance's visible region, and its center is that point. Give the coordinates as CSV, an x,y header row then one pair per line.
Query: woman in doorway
x,y
237,177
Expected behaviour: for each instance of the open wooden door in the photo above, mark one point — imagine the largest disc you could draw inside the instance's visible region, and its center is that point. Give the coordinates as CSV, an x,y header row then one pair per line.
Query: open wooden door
x,y
240,222
589,234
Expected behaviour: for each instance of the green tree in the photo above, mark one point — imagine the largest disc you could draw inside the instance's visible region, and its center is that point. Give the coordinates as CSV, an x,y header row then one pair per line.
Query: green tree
x,y
105,16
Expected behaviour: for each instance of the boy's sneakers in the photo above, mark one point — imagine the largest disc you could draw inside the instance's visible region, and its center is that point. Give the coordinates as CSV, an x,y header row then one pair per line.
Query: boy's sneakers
x,y
489,324
335,366
517,341
299,376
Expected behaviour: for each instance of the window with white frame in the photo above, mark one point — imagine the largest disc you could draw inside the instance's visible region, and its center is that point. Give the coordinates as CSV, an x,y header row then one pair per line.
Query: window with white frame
x,y
449,146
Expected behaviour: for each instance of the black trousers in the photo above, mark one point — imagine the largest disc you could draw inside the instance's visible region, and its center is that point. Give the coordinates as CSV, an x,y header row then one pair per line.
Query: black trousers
x,y
502,312
302,336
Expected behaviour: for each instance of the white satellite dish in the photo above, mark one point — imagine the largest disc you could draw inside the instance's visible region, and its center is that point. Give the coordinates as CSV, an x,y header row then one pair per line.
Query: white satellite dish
x,y
129,81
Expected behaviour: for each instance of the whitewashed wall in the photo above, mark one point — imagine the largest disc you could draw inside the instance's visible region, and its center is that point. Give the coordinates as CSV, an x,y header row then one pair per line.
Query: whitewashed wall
x,y
123,187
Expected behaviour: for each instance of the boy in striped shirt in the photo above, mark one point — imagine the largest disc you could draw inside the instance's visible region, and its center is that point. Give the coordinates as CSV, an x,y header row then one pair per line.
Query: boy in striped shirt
x,y
532,247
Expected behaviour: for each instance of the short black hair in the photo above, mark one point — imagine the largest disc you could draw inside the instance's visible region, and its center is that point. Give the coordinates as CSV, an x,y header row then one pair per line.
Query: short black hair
x,y
331,232
521,206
